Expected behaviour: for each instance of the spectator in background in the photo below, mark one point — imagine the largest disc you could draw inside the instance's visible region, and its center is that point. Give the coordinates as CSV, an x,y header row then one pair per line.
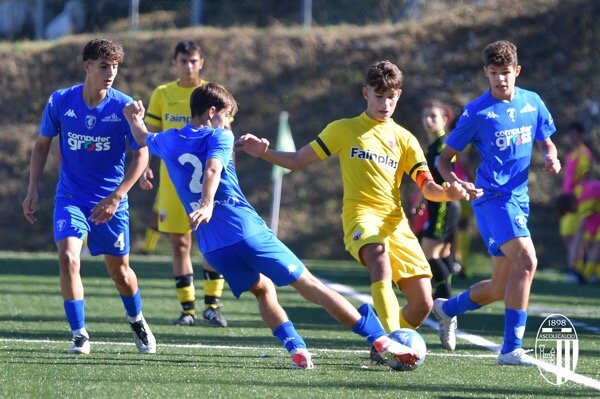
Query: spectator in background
x,y
585,253
443,217
578,165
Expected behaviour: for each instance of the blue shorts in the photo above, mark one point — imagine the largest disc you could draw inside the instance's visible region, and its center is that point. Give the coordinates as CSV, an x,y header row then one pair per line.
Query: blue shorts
x,y
501,219
110,238
263,253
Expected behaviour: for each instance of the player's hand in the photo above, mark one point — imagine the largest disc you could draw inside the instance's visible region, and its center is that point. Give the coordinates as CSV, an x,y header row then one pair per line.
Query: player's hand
x,y
105,209
146,179
252,145
134,112
551,164
455,191
472,191
200,216
29,206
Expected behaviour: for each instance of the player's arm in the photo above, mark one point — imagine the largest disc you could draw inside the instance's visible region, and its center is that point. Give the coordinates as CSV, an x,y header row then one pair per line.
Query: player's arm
x,y
210,182
134,113
39,156
259,148
436,193
444,166
551,161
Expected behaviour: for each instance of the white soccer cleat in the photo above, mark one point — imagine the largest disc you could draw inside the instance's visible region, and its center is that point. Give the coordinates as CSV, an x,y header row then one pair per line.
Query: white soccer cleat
x,y
144,339
447,329
301,359
81,345
518,357
393,352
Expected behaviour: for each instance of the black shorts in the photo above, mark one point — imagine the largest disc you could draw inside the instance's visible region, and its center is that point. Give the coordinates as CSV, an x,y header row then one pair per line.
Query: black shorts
x,y
443,220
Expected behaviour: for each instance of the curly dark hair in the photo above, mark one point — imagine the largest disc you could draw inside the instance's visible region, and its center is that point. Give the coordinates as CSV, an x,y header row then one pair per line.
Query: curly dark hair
x,y
501,53
104,49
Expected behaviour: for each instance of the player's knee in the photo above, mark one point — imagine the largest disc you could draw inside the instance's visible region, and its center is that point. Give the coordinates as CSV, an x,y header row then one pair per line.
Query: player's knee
x,y
69,261
527,261
123,276
262,288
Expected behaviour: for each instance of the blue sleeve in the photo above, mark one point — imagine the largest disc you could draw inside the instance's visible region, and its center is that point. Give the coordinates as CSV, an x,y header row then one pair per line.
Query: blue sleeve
x,y
221,146
50,124
153,142
464,131
545,122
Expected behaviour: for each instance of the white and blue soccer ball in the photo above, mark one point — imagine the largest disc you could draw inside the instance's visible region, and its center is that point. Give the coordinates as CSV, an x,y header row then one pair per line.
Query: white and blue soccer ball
x,y
413,340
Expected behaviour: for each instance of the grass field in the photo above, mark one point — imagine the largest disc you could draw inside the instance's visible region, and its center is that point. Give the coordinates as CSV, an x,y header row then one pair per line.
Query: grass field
x,y
244,360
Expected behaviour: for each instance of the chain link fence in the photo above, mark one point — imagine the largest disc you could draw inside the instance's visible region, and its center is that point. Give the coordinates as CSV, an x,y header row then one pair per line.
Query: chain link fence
x,y
51,19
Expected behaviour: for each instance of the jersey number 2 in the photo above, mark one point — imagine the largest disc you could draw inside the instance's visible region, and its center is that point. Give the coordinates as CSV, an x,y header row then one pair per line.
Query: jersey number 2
x,y
195,182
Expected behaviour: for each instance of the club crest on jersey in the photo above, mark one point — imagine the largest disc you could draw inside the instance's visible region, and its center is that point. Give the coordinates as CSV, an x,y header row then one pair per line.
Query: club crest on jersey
x,y
357,235
521,220
61,224
90,121
512,114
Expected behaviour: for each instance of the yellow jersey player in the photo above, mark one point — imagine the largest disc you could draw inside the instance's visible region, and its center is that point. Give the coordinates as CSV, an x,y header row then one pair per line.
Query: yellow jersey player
x,y
169,108
374,153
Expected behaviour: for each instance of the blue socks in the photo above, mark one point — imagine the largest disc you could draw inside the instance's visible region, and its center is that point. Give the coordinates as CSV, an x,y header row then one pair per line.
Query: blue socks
x,y
133,304
459,304
289,337
368,325
75,311
514,329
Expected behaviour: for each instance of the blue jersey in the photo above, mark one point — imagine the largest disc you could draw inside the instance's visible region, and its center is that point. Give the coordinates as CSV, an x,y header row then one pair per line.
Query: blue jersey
x,y
503,133
93,143
185,153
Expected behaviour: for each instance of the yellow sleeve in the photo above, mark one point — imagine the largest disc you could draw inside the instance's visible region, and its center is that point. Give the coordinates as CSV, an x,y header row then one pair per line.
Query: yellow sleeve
x,y
154,111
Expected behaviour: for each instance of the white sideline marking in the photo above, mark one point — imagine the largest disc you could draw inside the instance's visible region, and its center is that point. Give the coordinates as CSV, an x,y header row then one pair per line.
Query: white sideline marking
x,y
248,348
475,339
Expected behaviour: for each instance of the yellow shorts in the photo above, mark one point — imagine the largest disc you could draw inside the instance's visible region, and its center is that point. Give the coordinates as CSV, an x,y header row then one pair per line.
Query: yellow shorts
x,y
172,217
406,256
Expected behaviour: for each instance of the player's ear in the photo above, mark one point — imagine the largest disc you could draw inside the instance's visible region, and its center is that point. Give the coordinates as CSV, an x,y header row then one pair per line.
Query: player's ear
x,y
365,92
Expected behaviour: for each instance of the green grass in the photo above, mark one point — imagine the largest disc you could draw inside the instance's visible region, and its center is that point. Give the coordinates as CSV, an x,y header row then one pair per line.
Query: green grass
x,y
244,360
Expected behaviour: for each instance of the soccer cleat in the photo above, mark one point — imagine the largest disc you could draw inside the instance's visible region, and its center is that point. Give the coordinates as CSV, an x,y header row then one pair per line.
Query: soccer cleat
x,y
185,319
144,339
375,358
81,345
214,317
447,325
390,350
301,359
518,357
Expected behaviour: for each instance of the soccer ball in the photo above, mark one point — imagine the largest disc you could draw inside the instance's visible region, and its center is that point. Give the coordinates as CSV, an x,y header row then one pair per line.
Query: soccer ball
x,y
413,340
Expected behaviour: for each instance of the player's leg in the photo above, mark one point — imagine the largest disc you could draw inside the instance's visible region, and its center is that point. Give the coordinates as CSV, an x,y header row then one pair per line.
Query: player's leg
x,y
432,248
213,290
71,287
183,273
277,320
522,262
70,226
363,321
152,235
377,261
112,240
419,301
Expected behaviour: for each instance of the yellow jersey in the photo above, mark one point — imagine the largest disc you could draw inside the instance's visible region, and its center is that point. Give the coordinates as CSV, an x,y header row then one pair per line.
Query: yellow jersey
x,y
373,157
169,108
